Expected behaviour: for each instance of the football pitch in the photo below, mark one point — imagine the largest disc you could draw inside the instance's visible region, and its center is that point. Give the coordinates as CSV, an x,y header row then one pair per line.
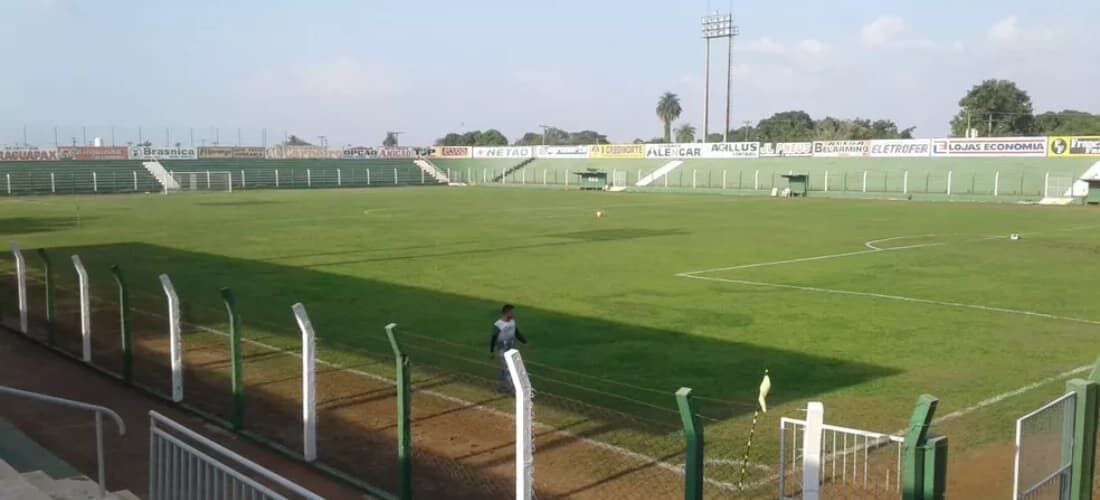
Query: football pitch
x,y
863,305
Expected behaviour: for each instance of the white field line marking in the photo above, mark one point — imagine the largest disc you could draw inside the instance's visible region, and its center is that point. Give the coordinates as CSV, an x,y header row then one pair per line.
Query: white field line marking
x,y
470,404
1005,395
898,298
871,248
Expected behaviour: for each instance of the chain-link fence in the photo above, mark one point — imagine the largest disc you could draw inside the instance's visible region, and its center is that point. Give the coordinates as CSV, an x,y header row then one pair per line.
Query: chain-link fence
x,y
1044,450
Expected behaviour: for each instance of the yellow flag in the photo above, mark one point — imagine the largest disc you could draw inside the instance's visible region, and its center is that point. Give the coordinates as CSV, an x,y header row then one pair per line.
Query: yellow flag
x,y
765,387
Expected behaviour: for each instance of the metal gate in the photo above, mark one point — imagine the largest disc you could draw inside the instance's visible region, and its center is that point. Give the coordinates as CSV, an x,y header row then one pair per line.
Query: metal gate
x,y
1044,451
853,463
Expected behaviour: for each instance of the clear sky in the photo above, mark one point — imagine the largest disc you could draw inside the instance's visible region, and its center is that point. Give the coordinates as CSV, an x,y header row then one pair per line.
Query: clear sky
x,y
352,69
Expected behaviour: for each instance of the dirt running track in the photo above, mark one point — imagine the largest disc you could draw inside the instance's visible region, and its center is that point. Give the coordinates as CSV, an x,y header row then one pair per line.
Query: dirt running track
x,y
70,434
461,450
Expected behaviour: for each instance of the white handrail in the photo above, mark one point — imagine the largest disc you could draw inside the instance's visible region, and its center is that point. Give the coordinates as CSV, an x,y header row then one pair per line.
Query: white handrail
x,y
98,410
158,419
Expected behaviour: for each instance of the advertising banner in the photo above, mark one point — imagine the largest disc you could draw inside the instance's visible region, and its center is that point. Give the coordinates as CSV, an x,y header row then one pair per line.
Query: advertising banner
x,y
841,149
617,151
360,153
229,152
992,146
398,153
452,152
28,154
561,152
287,152
504,152
731,150
1065,147
786,149
674,151
91,153
162,153
895,148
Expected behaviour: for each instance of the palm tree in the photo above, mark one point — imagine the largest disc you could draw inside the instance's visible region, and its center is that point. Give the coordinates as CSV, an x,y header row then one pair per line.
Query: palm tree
x,y
668,110
686,133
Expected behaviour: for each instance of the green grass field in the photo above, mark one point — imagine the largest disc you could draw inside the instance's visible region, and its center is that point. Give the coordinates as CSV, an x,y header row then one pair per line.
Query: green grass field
x,y
666,290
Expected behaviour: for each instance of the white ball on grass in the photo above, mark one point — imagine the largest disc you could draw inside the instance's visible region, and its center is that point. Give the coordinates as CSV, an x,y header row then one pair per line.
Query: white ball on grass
x,y
599,213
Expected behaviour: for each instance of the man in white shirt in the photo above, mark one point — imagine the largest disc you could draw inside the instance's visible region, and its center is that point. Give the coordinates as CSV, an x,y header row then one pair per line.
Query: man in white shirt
x,y
505,335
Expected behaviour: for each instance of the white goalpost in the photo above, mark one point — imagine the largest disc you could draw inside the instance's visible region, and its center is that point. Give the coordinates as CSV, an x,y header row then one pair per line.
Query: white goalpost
x,y
205,180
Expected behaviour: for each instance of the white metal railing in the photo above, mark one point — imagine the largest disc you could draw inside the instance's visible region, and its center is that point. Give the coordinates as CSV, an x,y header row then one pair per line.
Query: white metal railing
x,y
179,469
99,411
853,462
1042,466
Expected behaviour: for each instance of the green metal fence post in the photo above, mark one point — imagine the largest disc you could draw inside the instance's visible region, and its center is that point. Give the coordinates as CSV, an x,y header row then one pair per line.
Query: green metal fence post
x,y
124,325
404,431
912,469
237,376
935,468
693,437
1084,437
49,294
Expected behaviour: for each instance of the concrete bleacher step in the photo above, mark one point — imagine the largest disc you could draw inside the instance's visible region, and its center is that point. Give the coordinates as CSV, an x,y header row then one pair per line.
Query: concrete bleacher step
x,y
37,485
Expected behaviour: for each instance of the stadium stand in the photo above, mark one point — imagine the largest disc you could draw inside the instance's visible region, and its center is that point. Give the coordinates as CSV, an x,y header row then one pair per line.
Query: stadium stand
x,y
75,177
298,174
474,171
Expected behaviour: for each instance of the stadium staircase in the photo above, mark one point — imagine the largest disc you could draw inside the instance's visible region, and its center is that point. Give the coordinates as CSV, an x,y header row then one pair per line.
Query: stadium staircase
x,y
38,485
513,169
160,174
432,170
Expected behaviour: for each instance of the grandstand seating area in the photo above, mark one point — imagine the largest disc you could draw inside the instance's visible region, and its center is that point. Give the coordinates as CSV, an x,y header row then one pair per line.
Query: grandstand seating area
x,y
299,174
89,177
75,177
1013,176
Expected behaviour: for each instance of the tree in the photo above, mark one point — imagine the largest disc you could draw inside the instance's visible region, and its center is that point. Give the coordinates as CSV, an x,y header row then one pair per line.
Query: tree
x,y
685,133
996,108
390,140
668,110
451,139
294,140
1067,122
491,137
788,126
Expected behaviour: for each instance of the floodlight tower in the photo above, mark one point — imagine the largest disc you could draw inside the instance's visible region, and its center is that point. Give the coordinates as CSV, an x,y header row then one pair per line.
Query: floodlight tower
x,y
718,26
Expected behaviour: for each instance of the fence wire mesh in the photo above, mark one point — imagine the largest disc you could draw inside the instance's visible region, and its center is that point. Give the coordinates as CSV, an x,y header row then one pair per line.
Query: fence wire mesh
x,y
1044,450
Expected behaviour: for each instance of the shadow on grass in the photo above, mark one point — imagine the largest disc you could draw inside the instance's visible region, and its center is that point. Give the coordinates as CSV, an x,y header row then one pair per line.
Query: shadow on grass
x,y
26,225
623,367
603,377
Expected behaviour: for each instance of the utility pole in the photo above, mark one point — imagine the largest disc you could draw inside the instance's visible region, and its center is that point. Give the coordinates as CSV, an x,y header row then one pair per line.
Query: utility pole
x,y
545,128
747,125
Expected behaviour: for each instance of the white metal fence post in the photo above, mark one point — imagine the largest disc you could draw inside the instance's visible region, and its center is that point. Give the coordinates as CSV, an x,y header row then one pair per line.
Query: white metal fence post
x,y
395,176
175,345
525,464
135,179
309,398
340,178
242,179
95,183
723,179
9,182
826,181
21,282
693,172
53,184
756,181
811,450
277,178
309,178
85,310
949,182
368,176
1046,184
208,185
905,183
864,181
996,183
